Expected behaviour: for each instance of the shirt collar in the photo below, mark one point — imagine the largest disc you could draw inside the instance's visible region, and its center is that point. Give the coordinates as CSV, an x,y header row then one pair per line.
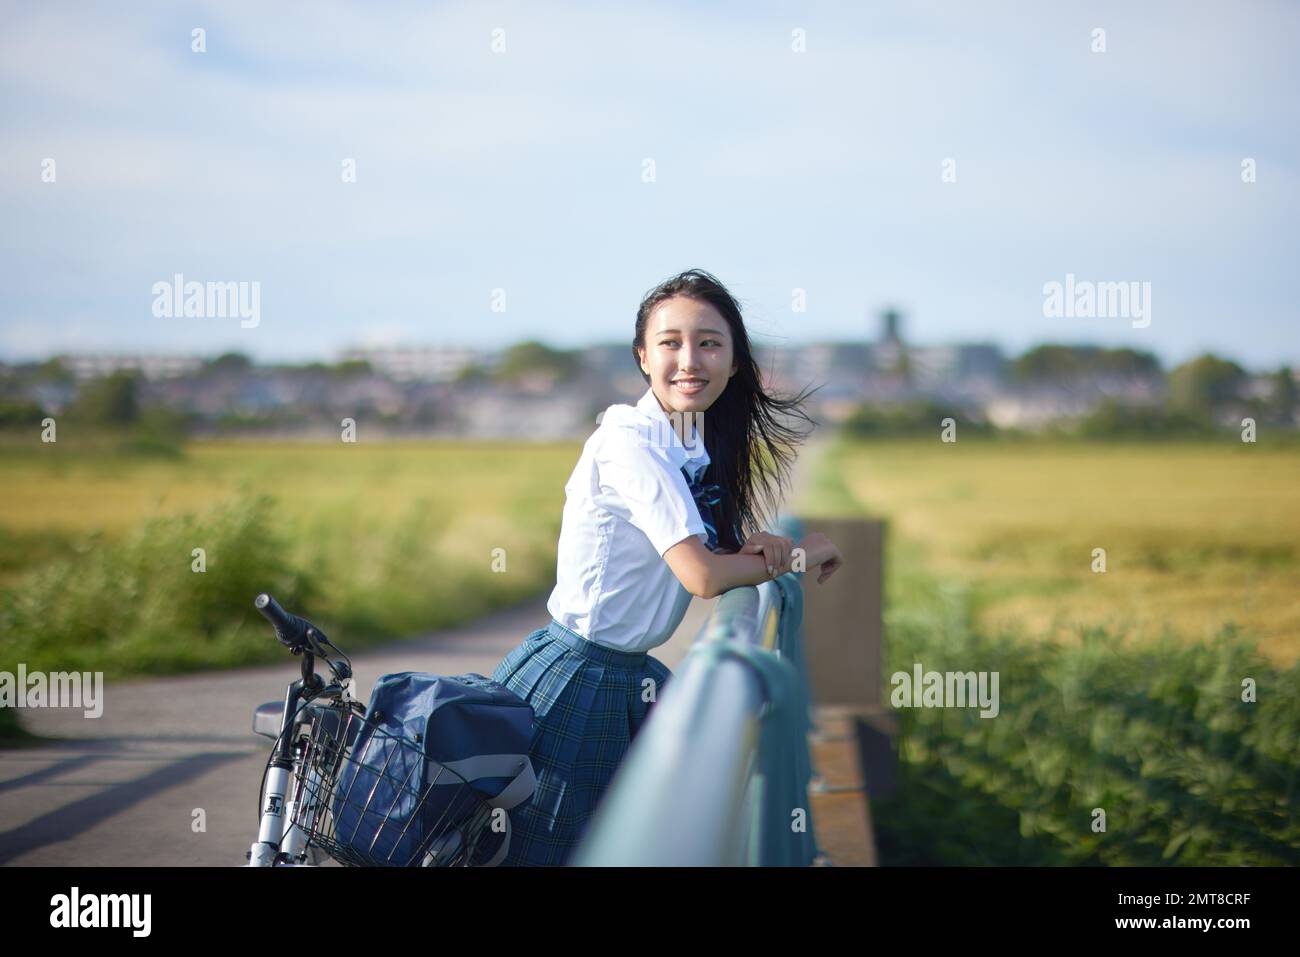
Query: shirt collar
x,y
662,431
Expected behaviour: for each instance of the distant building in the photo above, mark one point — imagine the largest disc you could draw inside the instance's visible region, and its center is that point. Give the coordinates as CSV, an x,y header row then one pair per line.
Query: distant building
x,y
936,368
150,366
418,363
1035,409
522,414
419,389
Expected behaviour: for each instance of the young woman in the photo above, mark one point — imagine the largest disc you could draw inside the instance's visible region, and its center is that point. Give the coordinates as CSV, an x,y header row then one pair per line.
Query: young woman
x,y
641,534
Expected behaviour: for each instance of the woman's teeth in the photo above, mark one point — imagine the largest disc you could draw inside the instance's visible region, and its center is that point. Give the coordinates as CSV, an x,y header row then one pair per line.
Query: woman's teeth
x,y
689,386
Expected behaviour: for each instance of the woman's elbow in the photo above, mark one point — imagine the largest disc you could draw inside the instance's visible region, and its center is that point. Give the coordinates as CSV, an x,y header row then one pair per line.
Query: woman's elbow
x,y
689,561
704,587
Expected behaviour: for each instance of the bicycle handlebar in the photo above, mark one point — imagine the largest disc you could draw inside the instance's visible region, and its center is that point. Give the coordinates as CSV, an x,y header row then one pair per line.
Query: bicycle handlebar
x,y
292,631
300,635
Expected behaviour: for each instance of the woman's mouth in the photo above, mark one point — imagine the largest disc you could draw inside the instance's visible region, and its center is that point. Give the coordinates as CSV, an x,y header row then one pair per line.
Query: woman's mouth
x,y
690,386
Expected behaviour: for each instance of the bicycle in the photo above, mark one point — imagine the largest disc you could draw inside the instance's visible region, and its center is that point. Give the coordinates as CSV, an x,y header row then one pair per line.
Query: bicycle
x,y
314,767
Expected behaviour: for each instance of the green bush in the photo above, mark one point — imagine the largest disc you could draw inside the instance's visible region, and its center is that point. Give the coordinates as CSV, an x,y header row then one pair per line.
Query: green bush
x,y
137,606
1113,419
109,401
1155,735
911,418
19,414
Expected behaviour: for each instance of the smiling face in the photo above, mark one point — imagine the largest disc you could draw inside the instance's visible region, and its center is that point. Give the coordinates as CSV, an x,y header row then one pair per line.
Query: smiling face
x,y
688,354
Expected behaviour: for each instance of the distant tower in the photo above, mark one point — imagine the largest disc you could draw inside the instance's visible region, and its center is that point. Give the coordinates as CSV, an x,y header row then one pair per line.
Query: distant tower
x,y
889,355
889,329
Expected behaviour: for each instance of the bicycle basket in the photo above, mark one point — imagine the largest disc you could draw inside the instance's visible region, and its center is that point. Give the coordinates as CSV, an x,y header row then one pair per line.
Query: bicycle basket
x,y
417,781
372,798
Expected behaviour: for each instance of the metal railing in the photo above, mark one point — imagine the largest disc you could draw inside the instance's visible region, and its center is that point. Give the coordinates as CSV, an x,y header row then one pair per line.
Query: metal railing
x,y
718,774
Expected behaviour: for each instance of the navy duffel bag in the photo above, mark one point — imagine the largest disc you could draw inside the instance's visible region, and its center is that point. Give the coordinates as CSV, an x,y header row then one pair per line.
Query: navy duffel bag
x,y
436,766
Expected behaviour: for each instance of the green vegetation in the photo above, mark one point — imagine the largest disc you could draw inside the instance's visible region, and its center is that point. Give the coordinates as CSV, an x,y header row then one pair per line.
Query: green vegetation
x,y
1121,691
1199,386
228,363
1055,363
911,418
1157,736
20,414
1113,419
472,373
97,563
110,401
535,358
106,416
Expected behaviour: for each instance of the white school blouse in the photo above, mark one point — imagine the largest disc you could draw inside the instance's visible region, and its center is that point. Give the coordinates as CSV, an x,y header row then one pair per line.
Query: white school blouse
x,y
627,503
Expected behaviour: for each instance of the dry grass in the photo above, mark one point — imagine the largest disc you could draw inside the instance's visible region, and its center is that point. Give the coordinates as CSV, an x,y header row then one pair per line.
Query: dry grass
x,y
1199,537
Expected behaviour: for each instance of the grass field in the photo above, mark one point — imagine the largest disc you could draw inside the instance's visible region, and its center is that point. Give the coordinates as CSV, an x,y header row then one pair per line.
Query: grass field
x,y
96,550
1200,539
1125,736
1121,690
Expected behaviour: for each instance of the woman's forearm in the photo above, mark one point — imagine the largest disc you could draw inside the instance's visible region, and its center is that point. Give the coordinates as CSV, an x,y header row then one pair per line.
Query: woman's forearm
x,y
732,570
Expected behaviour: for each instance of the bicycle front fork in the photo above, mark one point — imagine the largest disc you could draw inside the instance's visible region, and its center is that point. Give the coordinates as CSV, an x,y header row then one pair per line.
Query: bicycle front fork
x,y
270,833
279,839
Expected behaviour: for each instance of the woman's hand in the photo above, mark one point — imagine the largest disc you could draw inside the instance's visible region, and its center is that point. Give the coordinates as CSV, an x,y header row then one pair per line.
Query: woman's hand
x,y
820,550
832,564
775,549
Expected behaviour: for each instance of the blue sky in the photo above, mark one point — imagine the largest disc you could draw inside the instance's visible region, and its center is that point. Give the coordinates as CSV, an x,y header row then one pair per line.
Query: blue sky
x,y
522,170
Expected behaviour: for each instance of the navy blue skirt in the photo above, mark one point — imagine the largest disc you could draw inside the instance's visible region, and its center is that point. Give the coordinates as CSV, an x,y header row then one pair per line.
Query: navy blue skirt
x,y
588,704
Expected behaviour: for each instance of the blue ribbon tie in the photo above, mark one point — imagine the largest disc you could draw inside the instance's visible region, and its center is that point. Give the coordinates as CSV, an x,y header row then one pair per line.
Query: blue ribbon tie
x,y
706,497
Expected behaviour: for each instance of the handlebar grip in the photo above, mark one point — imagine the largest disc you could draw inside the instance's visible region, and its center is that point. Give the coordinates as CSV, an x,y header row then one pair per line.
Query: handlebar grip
x,y
289,629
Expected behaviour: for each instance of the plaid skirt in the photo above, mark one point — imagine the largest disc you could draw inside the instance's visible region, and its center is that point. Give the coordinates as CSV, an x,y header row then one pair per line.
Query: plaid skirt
x,y
587,706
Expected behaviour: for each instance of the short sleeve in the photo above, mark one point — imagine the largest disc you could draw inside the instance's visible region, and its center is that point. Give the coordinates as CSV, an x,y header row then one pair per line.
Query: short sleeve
x,y
651,493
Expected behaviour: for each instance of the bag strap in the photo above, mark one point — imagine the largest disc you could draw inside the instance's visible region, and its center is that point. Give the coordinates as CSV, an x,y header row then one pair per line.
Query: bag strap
x,y
518,766
500,855
512,795
518,790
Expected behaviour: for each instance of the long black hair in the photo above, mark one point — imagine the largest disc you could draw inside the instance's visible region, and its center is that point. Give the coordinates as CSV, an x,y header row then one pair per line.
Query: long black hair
x,y
750,449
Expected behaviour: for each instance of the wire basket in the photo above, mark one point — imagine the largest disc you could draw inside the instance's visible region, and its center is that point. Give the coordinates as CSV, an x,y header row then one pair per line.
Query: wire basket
x,y
372,798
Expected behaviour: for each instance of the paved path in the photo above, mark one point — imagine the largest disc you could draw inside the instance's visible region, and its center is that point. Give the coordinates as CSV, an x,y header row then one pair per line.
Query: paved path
x,y
123,789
